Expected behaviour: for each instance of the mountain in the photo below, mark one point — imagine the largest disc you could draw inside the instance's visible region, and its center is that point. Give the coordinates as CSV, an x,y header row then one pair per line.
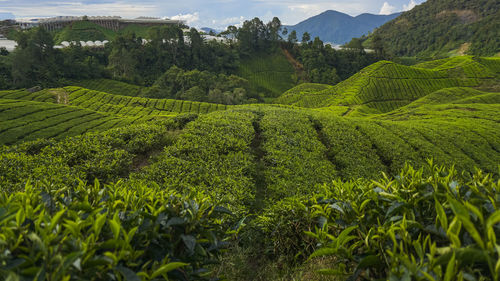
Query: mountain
x,y
336,27
207,30
440,28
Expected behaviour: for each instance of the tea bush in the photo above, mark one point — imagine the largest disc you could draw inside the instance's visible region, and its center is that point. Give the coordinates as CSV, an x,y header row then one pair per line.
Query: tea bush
x,y
431,224
121,231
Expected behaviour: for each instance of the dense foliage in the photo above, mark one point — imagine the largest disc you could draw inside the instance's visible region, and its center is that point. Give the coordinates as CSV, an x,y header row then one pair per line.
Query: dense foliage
x,y
161,193
437,27
123,231
385,86
426,224
197,85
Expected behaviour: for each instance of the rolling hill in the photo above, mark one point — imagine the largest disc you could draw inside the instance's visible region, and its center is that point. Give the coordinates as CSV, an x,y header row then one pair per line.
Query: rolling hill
x,y
145,188
89,31
71,111
440,28
385,86
339,28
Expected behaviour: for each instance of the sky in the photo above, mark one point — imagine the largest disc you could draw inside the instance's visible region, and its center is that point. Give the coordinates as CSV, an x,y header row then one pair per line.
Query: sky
x,y
202,13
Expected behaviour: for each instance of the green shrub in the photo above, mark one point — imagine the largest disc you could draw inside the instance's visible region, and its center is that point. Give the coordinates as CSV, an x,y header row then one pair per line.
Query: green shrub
x,y
122,231
432,225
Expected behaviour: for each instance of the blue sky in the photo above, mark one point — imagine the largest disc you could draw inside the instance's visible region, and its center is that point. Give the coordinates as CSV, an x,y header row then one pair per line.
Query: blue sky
x,y
201,13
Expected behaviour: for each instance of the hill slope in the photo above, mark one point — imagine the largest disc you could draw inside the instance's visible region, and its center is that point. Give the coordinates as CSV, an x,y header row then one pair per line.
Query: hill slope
x,y
89,31
438,27
385,86
340,28
269,75
180,188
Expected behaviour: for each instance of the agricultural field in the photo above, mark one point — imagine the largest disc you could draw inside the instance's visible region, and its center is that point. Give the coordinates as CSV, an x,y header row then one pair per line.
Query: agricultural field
x,y
269,75
28,120
386,86
109,86
71,111
336,180
89,31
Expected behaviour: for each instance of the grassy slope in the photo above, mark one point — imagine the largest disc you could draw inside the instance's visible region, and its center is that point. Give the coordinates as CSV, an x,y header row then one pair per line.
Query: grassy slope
x,y
109,86
252,157
73,110
269,74
30,120
88,31
385,86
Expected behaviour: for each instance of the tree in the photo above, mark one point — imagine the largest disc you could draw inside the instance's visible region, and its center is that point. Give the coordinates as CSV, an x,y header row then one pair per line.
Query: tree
x,y
292,37
34,60
273,28
284,32
306,37
355,44
378,46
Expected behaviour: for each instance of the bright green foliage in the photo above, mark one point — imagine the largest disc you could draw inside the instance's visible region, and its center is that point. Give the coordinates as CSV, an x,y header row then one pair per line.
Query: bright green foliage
x,y
456,96
42,96
348,148
385,86
129,106
73,111
294,155
212,156
29,120
269,75
420,225
109,86
122,231
106,156
291,177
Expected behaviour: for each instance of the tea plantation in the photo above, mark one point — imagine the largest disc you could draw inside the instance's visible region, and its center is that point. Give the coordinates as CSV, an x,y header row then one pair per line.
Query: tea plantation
x,y
385,86
390,175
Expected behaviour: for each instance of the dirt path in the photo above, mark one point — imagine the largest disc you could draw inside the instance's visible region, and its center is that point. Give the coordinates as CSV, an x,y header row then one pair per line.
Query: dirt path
x,y
259,176
299,68
61,95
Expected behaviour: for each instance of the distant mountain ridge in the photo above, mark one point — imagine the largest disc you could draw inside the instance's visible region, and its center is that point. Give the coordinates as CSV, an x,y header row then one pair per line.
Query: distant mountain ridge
x,y
336,27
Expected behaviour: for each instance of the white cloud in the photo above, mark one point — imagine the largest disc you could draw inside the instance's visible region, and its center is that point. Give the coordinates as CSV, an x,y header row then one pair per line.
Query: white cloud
x,y
223,23
410,5
190,19
387,9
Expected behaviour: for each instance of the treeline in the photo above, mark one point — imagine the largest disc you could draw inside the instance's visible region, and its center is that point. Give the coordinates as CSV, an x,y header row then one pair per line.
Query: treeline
x,y
321,63
196,85
176,64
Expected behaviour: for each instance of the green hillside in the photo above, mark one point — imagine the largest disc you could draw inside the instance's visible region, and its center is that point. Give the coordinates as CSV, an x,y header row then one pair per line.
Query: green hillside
x,y
440,28
269,75
109,86
385,86
336,178
89,31
72,111
30,120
